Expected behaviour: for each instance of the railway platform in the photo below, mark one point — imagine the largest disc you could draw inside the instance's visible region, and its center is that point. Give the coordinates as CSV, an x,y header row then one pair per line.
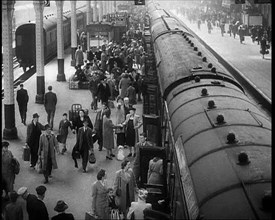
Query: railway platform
x,y
245,57
68,183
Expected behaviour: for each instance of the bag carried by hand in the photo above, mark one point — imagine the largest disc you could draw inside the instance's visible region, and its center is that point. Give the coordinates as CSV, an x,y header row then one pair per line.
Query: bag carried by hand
x,y
15,165
92,158
39,166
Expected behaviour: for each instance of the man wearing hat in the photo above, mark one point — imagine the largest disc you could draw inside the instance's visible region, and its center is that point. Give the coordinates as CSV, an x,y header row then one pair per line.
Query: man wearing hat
x,y
103,90
60,207
32,140
85,143
48,145
50,101
22,100
34,207
138,207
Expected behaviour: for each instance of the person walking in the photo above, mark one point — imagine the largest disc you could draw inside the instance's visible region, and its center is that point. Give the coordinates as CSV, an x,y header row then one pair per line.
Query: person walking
x,y
63,131
93,84
132,123
123,85
8,175
22,99
50,101
85,143
241,33
100,204
125,184
209,26
60,207
138,207
79,57
136,164
108,135
13,210
99,124
48,146
33,136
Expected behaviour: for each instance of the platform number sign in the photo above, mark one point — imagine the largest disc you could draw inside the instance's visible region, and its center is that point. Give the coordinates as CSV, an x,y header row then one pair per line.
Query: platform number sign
x,y
47,3
139,2
239,1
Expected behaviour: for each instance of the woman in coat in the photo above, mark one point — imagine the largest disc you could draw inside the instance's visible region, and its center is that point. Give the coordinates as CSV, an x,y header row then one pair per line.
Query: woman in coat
x,y
78,122
79,57
120,117
132,124
155,171
108,135
8,175
100,204
123,85
125,181
63,131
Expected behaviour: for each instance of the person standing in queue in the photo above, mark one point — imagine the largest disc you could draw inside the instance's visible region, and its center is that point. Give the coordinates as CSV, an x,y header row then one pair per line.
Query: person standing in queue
x,y
50,101
103,90
125,182
99,124
48,146
100,205
132,124
33,137
85,143
22,99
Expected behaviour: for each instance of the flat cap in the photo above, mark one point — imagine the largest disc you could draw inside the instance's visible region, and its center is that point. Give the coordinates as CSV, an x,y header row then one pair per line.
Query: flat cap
x,y
40,190
35,115
22,190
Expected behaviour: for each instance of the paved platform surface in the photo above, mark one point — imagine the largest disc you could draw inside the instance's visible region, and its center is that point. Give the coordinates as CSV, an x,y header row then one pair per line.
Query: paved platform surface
x,y
68,183
246,57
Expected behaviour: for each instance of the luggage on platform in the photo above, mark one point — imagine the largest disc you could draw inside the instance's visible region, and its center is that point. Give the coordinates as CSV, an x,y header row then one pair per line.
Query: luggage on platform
x,y
26,153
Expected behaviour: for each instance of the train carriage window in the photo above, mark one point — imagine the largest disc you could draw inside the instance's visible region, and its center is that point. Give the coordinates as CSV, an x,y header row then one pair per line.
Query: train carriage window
x,y
19,40
48,38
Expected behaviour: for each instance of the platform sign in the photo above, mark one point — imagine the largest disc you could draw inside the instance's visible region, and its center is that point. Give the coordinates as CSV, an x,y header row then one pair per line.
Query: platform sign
x,y
190,196
98,27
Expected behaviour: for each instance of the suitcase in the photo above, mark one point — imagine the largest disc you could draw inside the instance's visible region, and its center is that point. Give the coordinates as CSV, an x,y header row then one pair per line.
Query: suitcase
x,y
26,153
74,111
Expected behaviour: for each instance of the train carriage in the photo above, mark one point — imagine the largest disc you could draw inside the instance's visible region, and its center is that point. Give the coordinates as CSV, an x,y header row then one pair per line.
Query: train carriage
x,y
219,154
25,37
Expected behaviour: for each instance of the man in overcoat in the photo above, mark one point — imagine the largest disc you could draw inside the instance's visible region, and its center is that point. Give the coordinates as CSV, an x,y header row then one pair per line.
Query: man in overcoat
x,y
50,103
48,145
22,98
85,143
33,136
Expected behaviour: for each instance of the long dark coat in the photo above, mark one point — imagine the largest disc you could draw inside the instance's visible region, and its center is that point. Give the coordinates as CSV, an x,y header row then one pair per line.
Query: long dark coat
x,y
103,92
63,130
36,208
108,134
89,138
22,98
50,101
7,172
78,123
126,177
44,146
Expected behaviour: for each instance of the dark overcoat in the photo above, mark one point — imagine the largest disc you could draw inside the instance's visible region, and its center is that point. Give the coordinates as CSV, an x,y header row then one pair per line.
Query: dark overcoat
x,y
22,98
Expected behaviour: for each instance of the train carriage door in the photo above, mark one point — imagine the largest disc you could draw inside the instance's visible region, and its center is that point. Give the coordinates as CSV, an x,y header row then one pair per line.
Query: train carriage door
x,y
152,128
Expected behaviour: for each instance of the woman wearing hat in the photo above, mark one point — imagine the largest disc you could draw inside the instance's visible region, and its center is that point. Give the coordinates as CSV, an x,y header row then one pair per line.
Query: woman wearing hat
x,y
8,175
60,207
132,124
138,207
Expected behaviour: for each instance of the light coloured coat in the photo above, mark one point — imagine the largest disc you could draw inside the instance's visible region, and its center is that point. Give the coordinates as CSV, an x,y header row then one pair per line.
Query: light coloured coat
x,y
108,133
43,150
137,208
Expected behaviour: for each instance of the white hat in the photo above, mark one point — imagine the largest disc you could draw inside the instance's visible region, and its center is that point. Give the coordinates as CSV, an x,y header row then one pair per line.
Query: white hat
x,y
22,190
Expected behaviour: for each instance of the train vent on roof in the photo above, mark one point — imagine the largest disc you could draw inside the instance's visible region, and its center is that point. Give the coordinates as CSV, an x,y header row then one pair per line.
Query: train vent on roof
x,y
211,104
231,138
243,158
204,92
220,119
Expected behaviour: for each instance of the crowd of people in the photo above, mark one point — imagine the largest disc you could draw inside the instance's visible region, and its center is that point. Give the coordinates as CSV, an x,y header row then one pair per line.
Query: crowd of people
x,y
115,74
218,18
